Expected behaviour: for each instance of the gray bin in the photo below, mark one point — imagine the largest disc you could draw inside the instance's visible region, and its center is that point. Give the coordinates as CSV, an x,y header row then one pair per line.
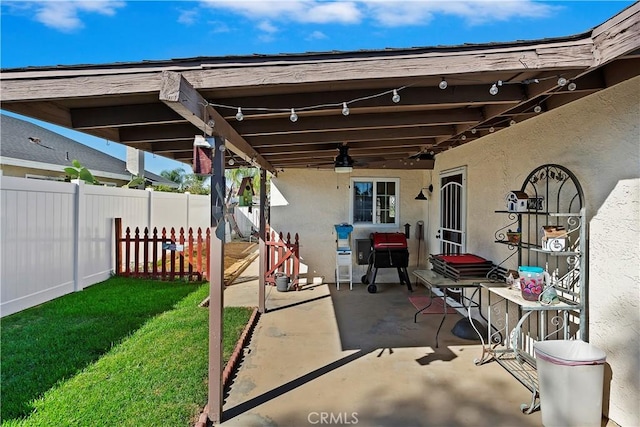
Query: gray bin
x,y
570,376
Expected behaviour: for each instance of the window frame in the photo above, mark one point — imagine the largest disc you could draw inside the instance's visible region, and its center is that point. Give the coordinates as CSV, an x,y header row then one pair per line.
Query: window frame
x,y
374,181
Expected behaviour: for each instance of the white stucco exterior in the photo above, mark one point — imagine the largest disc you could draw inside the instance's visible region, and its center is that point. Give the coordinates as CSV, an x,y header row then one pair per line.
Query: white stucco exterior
x,y
597,138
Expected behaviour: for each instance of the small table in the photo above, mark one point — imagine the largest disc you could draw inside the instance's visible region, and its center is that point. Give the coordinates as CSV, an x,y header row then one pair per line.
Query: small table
x,y
431,280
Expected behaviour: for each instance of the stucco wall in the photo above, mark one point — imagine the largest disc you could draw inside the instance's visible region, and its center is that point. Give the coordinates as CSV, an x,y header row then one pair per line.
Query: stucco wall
x,y
598,139
311,202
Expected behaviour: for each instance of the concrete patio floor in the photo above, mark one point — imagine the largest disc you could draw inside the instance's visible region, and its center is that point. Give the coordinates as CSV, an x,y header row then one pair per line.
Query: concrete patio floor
x,y
320,356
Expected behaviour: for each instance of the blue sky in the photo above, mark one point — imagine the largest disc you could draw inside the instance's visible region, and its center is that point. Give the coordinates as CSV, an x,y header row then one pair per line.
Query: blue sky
x,y
55,32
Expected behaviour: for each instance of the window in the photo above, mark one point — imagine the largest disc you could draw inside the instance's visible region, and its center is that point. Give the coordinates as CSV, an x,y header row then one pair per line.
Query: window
x,y
374,201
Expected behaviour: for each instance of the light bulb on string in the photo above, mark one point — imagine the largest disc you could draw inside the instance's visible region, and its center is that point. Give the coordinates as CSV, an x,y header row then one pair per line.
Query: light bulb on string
x,y
572,86
562,81
474,130
494,88
512,122
396,96
345,109
463,137
492,129
293,117
537,109
239,115
231,162
211,123
443,84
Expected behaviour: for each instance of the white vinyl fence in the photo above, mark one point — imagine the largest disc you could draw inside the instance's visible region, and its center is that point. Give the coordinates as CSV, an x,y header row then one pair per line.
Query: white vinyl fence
x,y
57,237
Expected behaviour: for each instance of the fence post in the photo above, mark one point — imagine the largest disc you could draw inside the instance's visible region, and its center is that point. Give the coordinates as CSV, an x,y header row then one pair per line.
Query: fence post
x,y
118,246
80,213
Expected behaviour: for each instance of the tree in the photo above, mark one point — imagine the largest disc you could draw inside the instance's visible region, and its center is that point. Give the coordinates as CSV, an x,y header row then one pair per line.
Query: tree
x,y
196,184
176,175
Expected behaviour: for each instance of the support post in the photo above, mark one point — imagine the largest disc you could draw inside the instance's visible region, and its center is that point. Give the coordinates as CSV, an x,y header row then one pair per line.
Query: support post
x,y
262,247
216,283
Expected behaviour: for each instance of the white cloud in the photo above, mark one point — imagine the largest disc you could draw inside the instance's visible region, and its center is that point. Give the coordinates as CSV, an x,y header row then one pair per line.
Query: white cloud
x,y
64,15
292,10
389,13
188,17
316,35
267,27
475,12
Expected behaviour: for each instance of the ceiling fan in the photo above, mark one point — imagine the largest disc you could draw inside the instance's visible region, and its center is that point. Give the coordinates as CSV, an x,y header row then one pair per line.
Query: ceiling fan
x,y
423,155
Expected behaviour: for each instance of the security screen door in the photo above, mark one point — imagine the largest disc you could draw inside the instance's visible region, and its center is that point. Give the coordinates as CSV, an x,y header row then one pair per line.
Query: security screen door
x,y
452,231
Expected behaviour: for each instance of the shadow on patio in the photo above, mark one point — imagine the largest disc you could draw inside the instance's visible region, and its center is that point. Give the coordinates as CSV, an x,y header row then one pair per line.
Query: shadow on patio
x,y
322,356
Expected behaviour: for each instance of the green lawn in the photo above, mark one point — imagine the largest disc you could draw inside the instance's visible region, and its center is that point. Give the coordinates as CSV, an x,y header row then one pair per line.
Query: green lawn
x,y
122,352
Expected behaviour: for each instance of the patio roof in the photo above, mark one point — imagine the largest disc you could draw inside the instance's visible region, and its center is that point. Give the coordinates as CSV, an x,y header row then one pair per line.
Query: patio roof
x,y
159,106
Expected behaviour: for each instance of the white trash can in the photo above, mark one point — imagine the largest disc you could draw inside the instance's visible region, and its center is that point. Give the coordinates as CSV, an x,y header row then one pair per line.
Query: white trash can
x,y
570,377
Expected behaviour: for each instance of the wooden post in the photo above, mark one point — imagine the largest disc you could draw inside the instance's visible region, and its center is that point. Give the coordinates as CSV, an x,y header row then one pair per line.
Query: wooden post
x,y
216,283
262,248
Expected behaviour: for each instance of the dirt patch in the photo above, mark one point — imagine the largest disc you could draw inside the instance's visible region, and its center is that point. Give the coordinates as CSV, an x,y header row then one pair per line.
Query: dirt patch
x,y
237,251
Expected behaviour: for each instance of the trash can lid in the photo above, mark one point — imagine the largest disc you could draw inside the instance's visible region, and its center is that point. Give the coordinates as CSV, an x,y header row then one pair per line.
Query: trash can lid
x,y
569,352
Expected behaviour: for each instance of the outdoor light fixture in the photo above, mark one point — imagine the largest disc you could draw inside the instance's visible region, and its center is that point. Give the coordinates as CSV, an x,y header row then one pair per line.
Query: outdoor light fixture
x,y
293,117
239,115
494,88
421,195
396,96
344,162
345,109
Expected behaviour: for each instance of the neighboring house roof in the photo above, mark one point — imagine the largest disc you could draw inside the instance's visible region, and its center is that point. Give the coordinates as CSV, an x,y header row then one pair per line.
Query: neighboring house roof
x,y
26,144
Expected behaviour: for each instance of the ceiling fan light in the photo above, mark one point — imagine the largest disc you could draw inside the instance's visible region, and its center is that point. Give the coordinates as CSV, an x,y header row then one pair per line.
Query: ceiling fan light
x,y
344,162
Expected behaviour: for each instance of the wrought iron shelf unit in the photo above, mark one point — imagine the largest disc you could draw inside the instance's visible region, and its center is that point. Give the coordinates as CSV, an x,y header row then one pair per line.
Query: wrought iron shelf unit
x,y
515,323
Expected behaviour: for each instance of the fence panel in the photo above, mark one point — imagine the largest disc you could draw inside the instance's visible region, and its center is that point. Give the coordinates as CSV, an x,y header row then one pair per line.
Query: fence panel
x,y
166,254
37,242
57,237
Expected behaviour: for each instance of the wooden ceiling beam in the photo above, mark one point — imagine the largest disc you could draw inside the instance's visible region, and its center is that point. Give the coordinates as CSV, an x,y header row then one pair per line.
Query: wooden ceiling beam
x,y
264,141
304,124
308,148
452,97
125,115
184,99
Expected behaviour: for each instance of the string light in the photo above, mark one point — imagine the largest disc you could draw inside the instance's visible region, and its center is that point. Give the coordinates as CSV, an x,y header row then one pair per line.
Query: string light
x,y
231,162
463,137
537,109
474,130
492,129
494,89
512,122
396,97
